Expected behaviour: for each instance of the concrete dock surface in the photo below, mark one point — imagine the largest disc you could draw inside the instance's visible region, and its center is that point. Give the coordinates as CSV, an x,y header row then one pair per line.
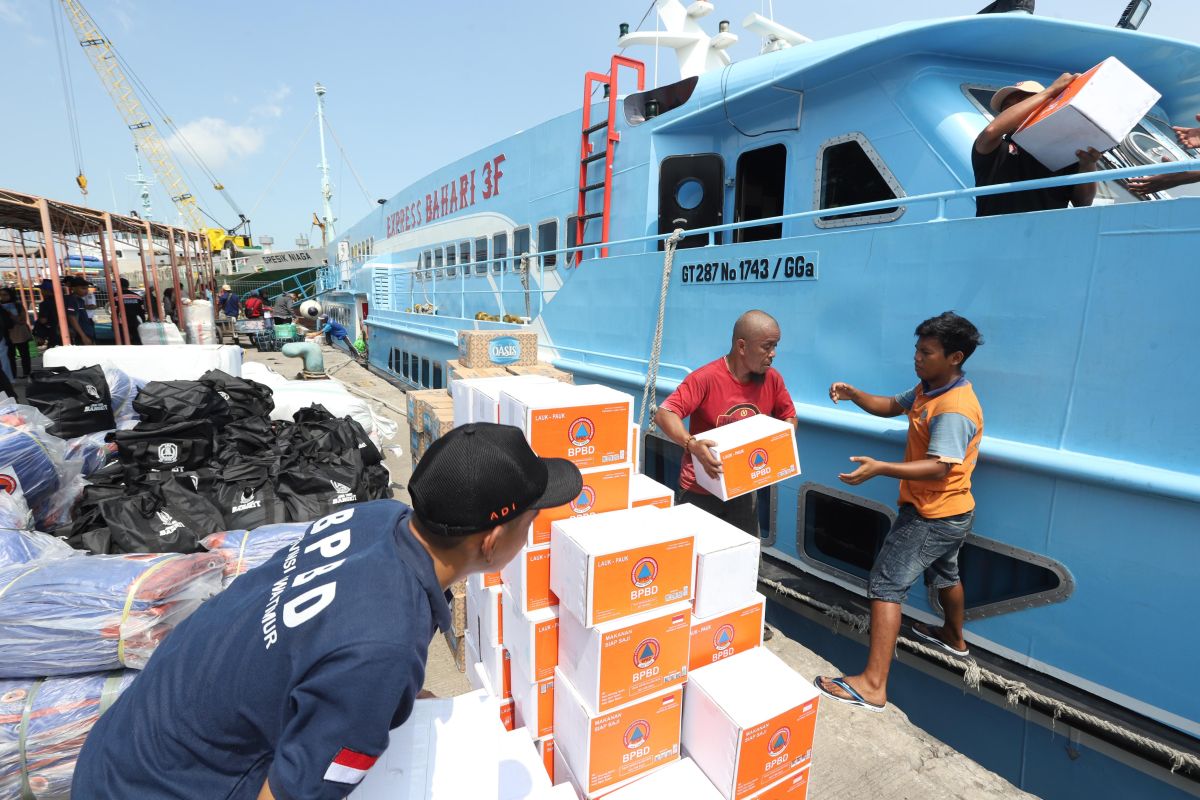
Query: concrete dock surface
x,y
858,754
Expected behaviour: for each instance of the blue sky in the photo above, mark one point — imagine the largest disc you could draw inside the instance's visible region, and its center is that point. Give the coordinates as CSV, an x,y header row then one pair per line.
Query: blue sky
x,y
411,85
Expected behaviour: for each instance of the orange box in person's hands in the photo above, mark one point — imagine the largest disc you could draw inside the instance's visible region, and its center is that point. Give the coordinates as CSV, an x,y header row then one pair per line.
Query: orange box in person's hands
x,y
527,578
617,662
589,425
724,635
609,566
645,491
754,452
532,640
604,751
604,489
744,738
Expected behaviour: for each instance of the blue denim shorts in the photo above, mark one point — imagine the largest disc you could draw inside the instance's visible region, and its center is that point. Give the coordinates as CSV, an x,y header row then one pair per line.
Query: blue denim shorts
x,y
918,545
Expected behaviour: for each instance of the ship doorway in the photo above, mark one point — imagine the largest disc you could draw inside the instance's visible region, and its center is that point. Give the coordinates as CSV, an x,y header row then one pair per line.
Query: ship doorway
x,y
761,179
690,196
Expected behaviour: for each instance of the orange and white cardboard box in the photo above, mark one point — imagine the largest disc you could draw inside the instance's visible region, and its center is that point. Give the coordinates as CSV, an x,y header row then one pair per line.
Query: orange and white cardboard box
x,y
527,578
478,581
635,446
604,489
497,668
619,661
680,780
754,452
532,640
533,706
726,562
792,787
744,738
609,566
721,636
1098,109
604,751
485,394
545,748
589,424
484,613
476,674
645,491
508,714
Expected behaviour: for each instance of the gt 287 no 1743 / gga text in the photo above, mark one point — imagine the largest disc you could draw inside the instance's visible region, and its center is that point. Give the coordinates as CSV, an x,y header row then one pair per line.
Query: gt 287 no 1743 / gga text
x,y
799,267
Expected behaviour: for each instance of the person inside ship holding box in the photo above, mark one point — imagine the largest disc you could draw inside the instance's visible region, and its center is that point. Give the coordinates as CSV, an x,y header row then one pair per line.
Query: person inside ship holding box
x,y
945,424
737,385
286,684
996,158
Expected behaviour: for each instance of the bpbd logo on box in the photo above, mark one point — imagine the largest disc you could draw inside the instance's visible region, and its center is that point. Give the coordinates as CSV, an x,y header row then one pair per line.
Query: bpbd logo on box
x,y
504,350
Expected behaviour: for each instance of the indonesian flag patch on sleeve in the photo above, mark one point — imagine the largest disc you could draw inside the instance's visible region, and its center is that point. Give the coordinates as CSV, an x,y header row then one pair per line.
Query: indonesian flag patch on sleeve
x,y
349,767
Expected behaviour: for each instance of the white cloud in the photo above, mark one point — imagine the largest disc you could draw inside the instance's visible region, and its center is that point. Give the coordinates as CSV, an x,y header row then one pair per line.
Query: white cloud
x,y
10,12
272,107
217,141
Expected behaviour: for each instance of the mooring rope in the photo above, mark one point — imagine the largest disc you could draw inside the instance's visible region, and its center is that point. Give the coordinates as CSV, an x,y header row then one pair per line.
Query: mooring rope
x,y
974,676
650,390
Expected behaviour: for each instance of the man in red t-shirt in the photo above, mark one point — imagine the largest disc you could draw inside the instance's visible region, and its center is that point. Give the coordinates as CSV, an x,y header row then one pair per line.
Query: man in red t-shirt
x,y
740,384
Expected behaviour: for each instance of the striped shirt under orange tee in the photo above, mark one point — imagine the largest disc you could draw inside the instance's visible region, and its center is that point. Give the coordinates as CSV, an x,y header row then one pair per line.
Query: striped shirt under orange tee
x,y
945,424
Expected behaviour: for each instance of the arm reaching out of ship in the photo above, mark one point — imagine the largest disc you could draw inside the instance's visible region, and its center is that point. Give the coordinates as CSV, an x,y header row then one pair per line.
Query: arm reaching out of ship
x,y
1016,109
927,469
672,426
1188,137
878,405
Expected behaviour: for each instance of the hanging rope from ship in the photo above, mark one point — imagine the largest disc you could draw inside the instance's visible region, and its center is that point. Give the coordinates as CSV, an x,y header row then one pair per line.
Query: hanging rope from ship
x,y
1015,692
649,391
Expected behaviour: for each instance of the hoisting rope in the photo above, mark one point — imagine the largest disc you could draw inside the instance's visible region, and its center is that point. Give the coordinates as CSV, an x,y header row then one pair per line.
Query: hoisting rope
x,y
975,676
68,85
650,390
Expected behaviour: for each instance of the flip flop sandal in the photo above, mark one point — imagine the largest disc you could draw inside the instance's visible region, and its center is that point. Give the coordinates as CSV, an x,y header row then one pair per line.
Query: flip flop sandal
x,y
922,632
855,699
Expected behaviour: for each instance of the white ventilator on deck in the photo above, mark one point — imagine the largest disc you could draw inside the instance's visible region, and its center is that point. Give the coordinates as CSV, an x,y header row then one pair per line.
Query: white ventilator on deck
x,y
697,52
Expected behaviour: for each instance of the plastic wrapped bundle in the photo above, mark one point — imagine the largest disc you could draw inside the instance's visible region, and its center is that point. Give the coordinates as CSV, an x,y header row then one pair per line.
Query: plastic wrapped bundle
x,y
77,615
21,547
245,550
43,724
37,460
14,511
93,451
124,388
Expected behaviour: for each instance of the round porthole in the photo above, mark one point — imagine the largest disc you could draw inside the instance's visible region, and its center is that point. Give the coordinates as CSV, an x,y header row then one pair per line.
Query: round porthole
x,y
689,193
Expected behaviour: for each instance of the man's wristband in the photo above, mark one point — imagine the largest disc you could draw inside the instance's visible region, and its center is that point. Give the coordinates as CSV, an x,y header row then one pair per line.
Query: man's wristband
x,y
688,444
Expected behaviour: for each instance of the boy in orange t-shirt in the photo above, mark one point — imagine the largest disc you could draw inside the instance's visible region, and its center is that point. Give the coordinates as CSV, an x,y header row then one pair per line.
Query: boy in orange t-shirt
x,y
945,424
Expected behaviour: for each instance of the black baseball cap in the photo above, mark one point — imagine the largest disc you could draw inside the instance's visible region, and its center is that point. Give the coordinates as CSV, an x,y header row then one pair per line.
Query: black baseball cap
x,y
480,475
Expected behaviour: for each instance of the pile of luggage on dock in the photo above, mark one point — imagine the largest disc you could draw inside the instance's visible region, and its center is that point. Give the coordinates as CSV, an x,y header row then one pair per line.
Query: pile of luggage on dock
x,y
125,503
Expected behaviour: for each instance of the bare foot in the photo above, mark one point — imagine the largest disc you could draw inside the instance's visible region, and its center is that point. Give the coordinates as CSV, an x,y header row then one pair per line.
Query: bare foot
x,y
874,697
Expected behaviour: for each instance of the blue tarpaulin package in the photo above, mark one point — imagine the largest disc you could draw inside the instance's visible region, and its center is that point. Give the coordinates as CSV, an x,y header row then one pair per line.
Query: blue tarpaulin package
x,y
43,723
245,550
78,615
23,546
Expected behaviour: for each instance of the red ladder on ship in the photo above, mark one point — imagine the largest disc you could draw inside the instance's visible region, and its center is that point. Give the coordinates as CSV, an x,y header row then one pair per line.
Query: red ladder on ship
x,y
588,154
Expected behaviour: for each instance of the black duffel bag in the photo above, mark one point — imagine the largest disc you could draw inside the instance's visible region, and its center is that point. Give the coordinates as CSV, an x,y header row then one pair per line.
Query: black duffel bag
x,y
166,445
167,517
245,493
178,401
77,401
246,398
312,489
251,436
317,433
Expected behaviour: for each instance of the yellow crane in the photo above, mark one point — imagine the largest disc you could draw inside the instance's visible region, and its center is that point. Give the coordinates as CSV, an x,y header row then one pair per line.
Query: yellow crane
x,y
121,89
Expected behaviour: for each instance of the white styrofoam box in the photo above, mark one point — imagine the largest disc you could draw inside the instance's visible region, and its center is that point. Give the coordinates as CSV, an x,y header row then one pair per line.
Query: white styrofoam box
x,y
424,757
168,362
620,563
619,661
1098,109
745,738
522,774
485,394
726,562
679,779
483,614
645,491
527,578
533,705
754,453
532,640
606,751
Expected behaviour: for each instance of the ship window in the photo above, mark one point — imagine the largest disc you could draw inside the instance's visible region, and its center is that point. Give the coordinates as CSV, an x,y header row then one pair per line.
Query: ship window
x,y
437,376
980,97
849,171
761,178
392,359
499,252
842,530
404,363
481,256
464,256
425,373
451,260
520,247
573,239
548,240
438,260
428,265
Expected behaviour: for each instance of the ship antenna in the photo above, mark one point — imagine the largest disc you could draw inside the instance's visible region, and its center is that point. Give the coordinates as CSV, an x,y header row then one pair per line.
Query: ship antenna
x,y
696,51
326,189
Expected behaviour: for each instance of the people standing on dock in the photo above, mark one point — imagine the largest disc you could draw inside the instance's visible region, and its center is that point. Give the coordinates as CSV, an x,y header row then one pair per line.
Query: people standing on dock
x,y
996,158
79,322
18,332
229,303
135,311
169,305
737,385
945,425
284,308
253,306
320,651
